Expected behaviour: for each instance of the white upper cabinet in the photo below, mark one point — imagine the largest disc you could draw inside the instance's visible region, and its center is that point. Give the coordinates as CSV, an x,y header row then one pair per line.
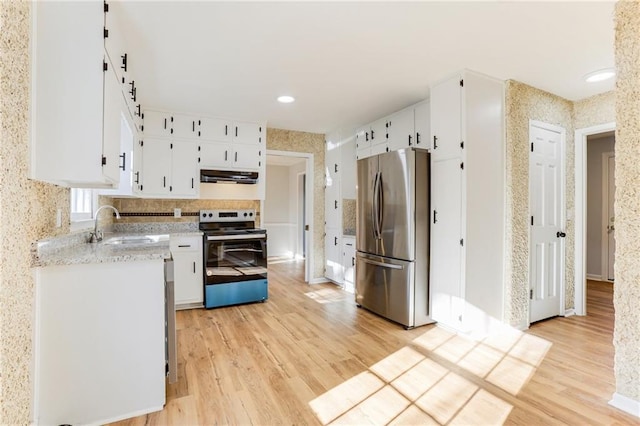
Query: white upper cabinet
x,y
216,129
247,157
422,125
229,156
378,132
248,133
156,167
400,130
363,144
72,87
184,170
182,126
446,125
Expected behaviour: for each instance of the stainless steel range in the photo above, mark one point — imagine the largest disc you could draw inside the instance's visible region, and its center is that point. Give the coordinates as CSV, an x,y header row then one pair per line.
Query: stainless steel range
x,y
235,258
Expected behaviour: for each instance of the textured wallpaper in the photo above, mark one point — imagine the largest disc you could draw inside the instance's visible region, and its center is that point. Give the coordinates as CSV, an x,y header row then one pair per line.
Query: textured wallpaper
x,y
599,109
627,202
289,140
524,103
27,213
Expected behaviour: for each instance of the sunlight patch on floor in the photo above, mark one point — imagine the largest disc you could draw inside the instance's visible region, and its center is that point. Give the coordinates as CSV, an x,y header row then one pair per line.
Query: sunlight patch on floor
x,y
329,295
418,387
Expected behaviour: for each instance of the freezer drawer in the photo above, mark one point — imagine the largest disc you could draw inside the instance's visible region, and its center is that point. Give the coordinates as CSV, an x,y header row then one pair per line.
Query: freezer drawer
x,y
385,286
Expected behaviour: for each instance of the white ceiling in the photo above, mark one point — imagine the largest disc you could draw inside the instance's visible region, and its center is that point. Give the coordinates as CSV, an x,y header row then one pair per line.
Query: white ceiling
x,y
348,63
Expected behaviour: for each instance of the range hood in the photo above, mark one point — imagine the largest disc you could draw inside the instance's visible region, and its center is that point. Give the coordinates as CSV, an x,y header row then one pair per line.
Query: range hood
x,y
228,176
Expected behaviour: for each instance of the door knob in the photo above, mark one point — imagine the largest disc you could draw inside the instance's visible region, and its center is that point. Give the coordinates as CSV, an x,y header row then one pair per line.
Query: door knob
x,y
560,234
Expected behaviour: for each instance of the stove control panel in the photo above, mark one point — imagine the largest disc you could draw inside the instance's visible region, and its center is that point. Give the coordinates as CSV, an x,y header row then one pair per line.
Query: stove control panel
x,y
248,215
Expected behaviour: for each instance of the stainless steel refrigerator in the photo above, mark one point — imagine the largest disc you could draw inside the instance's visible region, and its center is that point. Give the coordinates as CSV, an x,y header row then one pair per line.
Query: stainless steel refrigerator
x,y
392,236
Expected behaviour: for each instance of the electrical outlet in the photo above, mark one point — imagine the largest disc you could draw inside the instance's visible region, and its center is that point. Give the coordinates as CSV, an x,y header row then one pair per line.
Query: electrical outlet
x,y
177,212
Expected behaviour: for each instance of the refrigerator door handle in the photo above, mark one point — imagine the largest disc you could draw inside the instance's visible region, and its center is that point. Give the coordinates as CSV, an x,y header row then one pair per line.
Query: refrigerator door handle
x,y
383,265
374,210
380,206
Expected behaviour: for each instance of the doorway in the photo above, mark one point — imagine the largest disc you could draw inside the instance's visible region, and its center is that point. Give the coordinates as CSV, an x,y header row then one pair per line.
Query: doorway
x,y
287,208
594,222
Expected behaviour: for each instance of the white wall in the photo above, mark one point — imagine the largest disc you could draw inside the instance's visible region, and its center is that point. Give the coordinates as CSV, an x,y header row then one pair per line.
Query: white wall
x,y
278,220
595,148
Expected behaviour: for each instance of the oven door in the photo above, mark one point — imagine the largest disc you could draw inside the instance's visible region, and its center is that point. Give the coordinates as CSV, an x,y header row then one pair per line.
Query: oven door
x,y
234,258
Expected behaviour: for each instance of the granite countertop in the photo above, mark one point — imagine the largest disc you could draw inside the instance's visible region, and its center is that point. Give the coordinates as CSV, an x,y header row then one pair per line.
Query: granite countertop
x,y
73,249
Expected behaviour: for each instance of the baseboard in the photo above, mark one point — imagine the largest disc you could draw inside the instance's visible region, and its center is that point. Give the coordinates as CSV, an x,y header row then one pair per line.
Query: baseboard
x,y
625,404
569,312
319,281
594,277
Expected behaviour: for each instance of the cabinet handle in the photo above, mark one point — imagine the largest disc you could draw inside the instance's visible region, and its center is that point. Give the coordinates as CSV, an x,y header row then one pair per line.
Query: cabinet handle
x,y
193,126
236,157
124,161
366,136
435,142
191,183
373,135
164,181
138,110
236,131
335,241
225,155
133,87
137,177
165,123
353,261
335,168
184,245
124,62
435,216
225,130
335,203
410,140
194,267
417,138
134,98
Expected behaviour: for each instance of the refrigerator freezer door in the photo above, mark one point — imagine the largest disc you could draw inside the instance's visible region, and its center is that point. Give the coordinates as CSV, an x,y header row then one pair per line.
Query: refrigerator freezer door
x,y
397,204
385,286
366,234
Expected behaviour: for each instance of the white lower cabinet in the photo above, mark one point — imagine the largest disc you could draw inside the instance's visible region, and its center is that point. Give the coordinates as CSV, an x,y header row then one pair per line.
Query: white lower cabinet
x,y
187,264
99,342
349,262
333,255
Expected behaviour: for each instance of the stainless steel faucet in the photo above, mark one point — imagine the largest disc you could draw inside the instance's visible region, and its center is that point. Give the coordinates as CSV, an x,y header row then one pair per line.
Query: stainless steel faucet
x,y
96,236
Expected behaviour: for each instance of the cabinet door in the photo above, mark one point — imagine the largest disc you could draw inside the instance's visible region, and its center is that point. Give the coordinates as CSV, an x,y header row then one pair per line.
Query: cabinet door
x,y
247,133
183,126
156,166
333,255
157,123
247,157
362,138
348,171
215,154
187,260
422,121
400,130
446,119
447,291
378,132
126,186
349,262
332,162
333,204
112,117
214,129
184,169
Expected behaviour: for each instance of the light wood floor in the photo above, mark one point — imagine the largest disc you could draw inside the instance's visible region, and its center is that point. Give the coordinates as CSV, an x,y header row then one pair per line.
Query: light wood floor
x,y
309,356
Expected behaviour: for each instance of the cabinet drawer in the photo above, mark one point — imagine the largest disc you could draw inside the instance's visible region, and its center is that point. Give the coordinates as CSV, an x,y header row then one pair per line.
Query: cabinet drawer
x,y
181,244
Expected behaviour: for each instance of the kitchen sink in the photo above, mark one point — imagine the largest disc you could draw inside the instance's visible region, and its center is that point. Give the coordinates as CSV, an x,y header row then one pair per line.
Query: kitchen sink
x,y
135,239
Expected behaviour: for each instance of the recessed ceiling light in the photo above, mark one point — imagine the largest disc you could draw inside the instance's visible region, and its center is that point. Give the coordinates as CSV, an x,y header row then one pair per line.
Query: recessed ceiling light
x,y
286,99
599,75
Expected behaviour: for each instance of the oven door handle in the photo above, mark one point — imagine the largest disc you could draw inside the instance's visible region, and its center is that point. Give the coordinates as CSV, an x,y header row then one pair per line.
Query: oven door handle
x,y
243,249
235,237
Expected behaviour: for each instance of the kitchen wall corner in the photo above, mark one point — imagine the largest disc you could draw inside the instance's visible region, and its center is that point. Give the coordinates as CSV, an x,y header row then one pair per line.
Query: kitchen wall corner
x,y
27,213
289,140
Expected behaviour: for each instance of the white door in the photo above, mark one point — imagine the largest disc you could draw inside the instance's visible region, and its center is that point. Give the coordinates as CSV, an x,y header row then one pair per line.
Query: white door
x,y
547,233
611,243
447,292
446,125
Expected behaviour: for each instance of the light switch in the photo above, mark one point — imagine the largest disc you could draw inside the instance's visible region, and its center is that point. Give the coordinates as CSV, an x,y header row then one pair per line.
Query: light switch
x,y
177,212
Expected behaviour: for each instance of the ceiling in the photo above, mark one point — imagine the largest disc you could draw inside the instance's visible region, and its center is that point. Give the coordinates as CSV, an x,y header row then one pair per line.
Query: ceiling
x,y
349,63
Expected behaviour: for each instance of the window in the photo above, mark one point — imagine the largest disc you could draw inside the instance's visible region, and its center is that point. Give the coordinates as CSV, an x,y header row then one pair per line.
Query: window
x,y
83,204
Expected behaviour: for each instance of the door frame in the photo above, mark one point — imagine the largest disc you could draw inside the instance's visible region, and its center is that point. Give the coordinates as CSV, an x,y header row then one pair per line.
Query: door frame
x,y
563,210
580,252
604,243
308,157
